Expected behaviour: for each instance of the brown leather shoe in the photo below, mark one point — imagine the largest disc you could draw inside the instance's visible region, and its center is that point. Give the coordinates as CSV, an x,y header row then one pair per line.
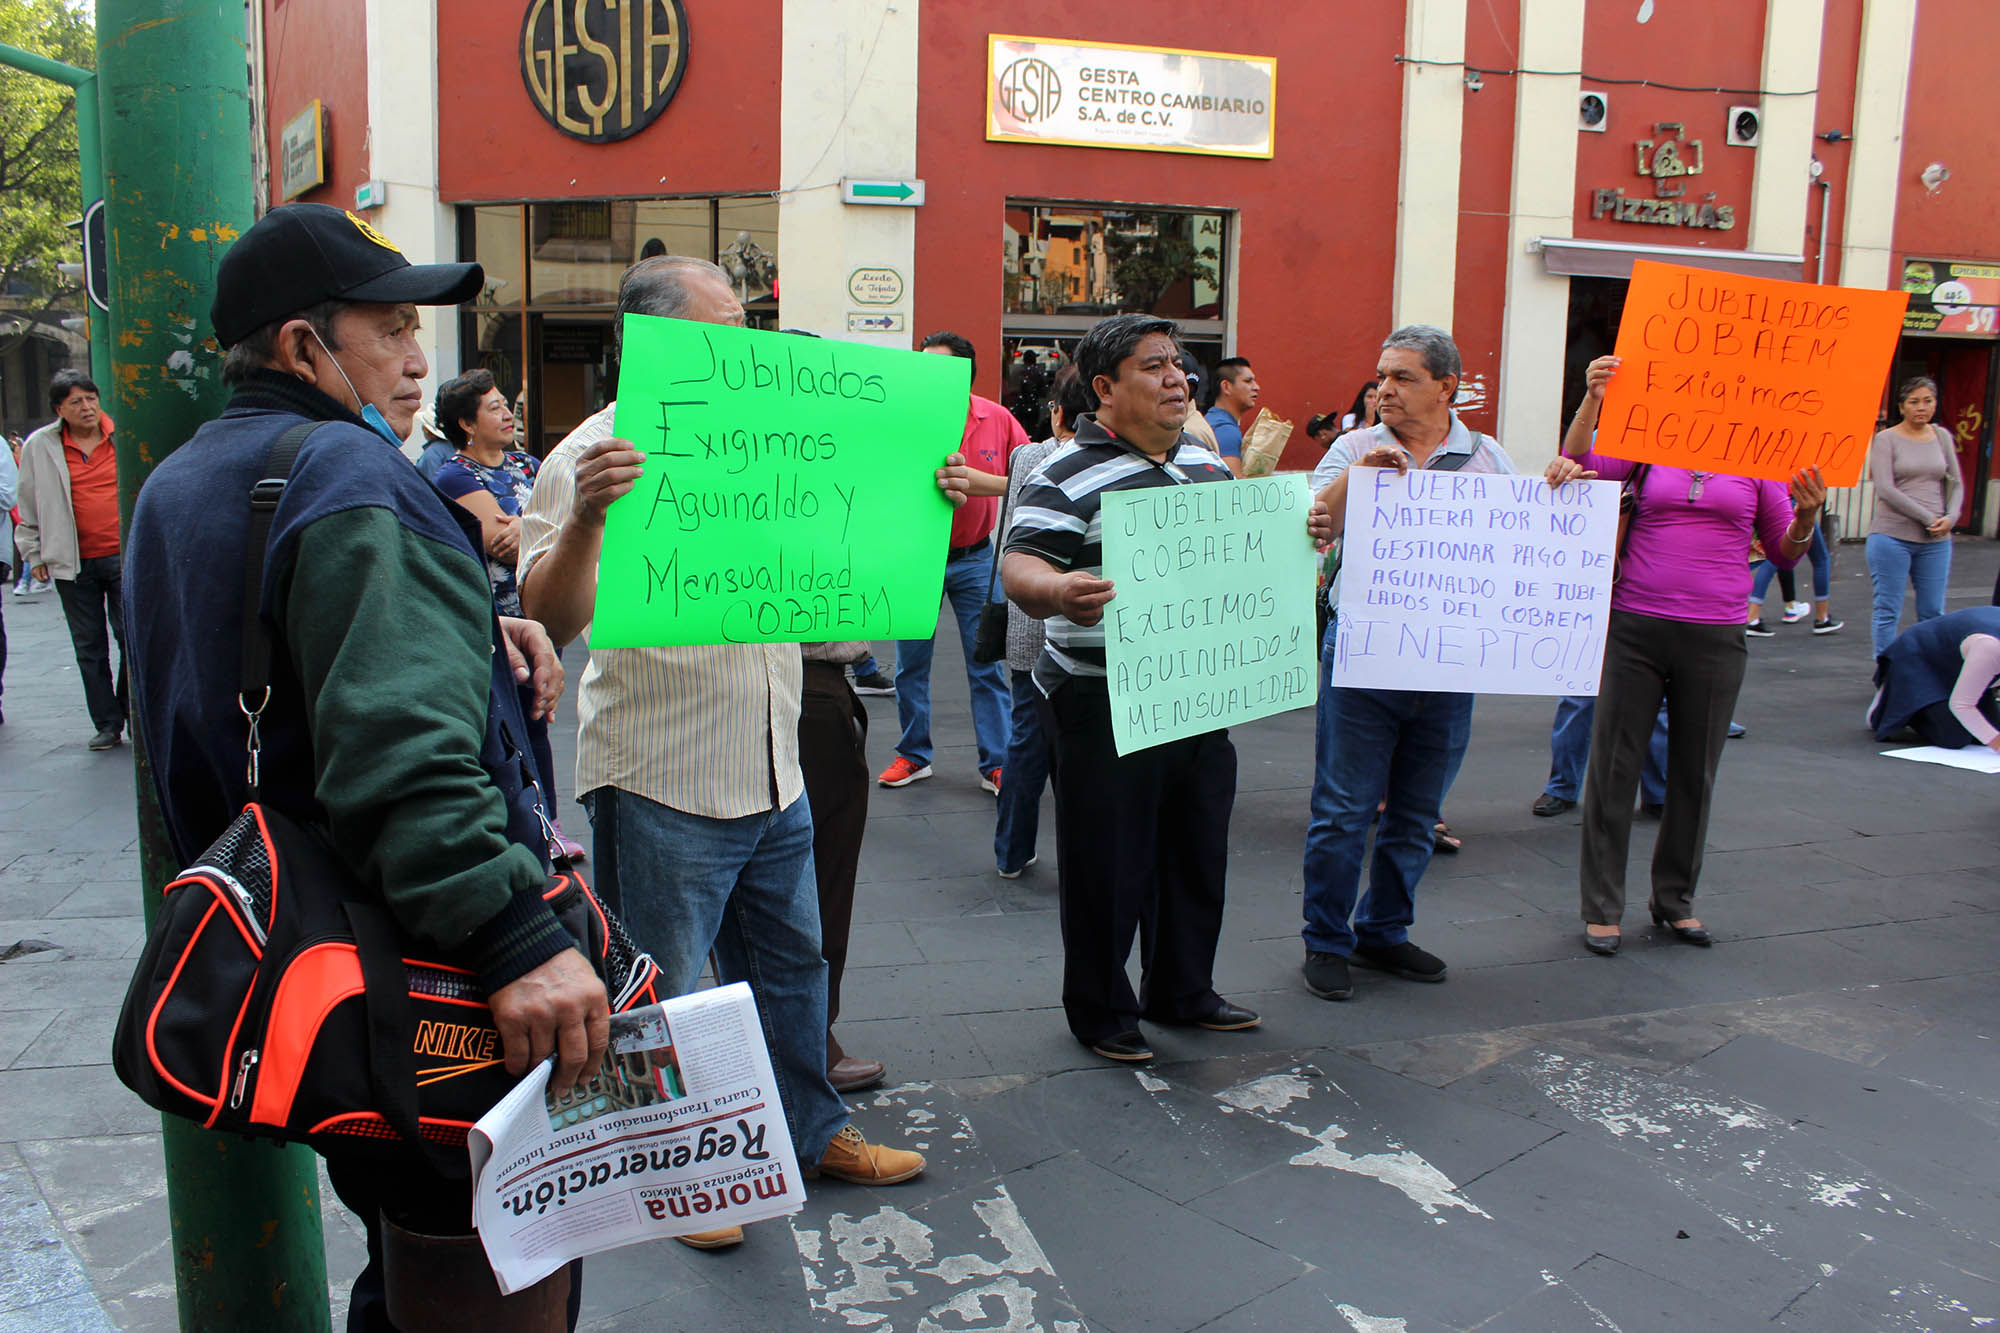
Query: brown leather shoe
x,y
848,1074
719,1239
853,1159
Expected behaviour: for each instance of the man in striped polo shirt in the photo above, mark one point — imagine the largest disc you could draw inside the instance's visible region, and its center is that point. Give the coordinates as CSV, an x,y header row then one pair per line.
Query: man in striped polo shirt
x,y
1144,836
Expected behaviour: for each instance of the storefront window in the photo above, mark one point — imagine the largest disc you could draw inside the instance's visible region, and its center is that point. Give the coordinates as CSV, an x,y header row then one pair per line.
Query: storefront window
x,y
1066,266
1100,259
543,323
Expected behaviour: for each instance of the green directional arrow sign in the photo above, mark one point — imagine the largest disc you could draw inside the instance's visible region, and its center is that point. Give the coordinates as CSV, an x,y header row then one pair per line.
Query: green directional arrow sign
x,y
896,193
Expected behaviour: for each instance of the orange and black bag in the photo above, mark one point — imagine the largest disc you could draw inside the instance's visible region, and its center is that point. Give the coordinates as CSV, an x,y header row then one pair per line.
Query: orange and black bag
x,y
277,997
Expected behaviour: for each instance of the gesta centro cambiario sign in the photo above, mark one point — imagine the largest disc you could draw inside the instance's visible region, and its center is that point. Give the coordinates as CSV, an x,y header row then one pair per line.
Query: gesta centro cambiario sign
x,y
602,70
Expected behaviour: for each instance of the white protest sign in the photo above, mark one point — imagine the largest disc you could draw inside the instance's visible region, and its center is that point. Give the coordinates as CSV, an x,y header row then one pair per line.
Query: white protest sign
x,y
1475,583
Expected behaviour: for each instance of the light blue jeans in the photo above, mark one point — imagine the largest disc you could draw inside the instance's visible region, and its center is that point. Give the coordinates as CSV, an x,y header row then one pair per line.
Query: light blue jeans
x,y
965,583
1894,564
744,888
1027,772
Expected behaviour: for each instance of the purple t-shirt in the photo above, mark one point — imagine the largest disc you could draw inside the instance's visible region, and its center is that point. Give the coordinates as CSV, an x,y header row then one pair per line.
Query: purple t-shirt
x,y
1689,559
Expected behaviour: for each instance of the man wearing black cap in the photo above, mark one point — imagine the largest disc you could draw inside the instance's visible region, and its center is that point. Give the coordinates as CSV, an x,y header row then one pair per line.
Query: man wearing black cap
x,y
389,699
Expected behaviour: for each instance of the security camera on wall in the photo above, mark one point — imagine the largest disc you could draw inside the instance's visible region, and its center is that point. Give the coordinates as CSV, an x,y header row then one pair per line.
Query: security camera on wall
x,y
1746,126
1592,110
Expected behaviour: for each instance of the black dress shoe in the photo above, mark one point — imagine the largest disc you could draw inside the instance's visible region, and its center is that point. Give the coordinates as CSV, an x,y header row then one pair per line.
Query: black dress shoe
x,y
1650,810
1128,1046
1550,804
1227,1017
107,738
1604,944
1695,935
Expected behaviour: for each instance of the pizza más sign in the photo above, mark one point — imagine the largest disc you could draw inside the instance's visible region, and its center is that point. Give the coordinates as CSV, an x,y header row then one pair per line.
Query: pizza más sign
x,y
1155,98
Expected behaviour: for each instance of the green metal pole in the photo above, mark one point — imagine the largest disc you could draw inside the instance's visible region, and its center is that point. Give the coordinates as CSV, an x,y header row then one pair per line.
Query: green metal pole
x,y
175,134
90,170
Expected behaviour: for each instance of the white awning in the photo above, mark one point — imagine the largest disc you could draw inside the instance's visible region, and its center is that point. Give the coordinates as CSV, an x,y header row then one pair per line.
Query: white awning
x,y
1610,259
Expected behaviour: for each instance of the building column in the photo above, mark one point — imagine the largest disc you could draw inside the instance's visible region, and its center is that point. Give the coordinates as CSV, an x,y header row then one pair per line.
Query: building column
x,y
849,108
1535,320
1781,186
403,153
1427,175
1874,173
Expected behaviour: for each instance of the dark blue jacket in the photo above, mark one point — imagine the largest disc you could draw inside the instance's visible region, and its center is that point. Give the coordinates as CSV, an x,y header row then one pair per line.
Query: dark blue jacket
x,y
1920,667
394,720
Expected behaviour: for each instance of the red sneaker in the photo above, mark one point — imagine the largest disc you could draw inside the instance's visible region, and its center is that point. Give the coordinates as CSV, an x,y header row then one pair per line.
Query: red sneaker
x,y
990,780
901,773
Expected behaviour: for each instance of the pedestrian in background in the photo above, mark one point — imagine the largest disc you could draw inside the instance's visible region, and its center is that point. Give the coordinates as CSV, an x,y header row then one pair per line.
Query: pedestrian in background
x,y
9,478
1361,414
1236,395
68,532
991,437
1918,491
1015,830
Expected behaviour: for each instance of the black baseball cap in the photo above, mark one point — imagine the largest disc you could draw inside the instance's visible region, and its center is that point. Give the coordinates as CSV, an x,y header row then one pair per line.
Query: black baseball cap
x,y
298,255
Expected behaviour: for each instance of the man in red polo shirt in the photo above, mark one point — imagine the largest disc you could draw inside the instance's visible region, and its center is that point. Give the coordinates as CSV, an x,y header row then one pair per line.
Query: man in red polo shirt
x,y
991,437
69,532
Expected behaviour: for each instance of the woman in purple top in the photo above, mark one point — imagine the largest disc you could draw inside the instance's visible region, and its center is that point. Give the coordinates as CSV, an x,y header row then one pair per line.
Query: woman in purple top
x,y
1676,633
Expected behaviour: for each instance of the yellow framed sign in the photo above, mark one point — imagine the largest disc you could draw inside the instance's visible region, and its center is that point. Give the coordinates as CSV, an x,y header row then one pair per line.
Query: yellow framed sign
x,y
1153,98
302,152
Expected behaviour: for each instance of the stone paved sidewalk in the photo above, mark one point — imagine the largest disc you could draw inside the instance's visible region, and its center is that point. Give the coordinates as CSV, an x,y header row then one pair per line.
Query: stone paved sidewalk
x,y
1793,1129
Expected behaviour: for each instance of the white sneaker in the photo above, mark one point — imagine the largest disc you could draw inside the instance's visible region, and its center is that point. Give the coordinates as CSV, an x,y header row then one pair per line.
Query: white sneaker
x,y
1796,611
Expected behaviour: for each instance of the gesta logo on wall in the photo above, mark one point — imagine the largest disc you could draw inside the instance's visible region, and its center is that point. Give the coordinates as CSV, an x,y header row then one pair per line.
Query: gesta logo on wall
x,y
602,70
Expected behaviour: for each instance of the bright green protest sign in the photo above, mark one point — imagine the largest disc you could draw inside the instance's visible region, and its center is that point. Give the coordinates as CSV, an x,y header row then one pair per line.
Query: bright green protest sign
x,y
1211,623
790,491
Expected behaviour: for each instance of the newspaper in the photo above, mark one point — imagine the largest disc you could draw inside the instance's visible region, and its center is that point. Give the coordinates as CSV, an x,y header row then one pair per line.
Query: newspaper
x,y
681,1130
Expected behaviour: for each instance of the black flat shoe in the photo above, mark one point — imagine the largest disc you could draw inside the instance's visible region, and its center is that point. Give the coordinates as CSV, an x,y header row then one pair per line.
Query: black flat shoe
x,y
1695,935
1127,1046
1604,944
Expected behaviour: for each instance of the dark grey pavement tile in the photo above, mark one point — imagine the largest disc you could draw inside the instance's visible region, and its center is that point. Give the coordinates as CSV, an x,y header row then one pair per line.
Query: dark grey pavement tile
x,y
880,943
988,939
1725,871
1319,1300
1132,1262
938,1048
947,988
76,1037
1972,997
39,1266
1745,969
78,937
1859,1105
69,1103
18,1030
100,898
1909,950
1918,853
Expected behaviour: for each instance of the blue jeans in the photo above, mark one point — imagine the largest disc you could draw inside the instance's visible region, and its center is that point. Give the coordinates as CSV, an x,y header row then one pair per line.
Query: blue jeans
x,y
965,583
1762,572
744,888
1404,744
1893,563
1027,769
1569,751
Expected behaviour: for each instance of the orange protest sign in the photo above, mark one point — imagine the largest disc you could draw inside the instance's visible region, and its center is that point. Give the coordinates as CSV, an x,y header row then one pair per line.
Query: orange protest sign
x,y
1751,376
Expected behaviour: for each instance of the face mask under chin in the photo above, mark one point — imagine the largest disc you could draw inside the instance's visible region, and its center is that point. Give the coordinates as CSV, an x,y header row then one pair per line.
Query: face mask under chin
x,y
370,413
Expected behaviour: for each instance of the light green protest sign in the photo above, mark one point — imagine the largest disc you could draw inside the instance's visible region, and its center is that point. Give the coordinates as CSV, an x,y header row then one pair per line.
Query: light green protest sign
x,y
790,491
1212,621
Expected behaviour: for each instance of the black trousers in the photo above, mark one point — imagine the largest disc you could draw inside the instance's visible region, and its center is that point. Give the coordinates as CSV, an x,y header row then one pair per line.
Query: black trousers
x,y
833,752
1142,844
88,600
1698,670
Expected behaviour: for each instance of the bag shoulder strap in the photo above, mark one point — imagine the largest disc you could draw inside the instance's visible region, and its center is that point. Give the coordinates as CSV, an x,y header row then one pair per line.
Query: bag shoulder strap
x,y
1453,462
254,679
